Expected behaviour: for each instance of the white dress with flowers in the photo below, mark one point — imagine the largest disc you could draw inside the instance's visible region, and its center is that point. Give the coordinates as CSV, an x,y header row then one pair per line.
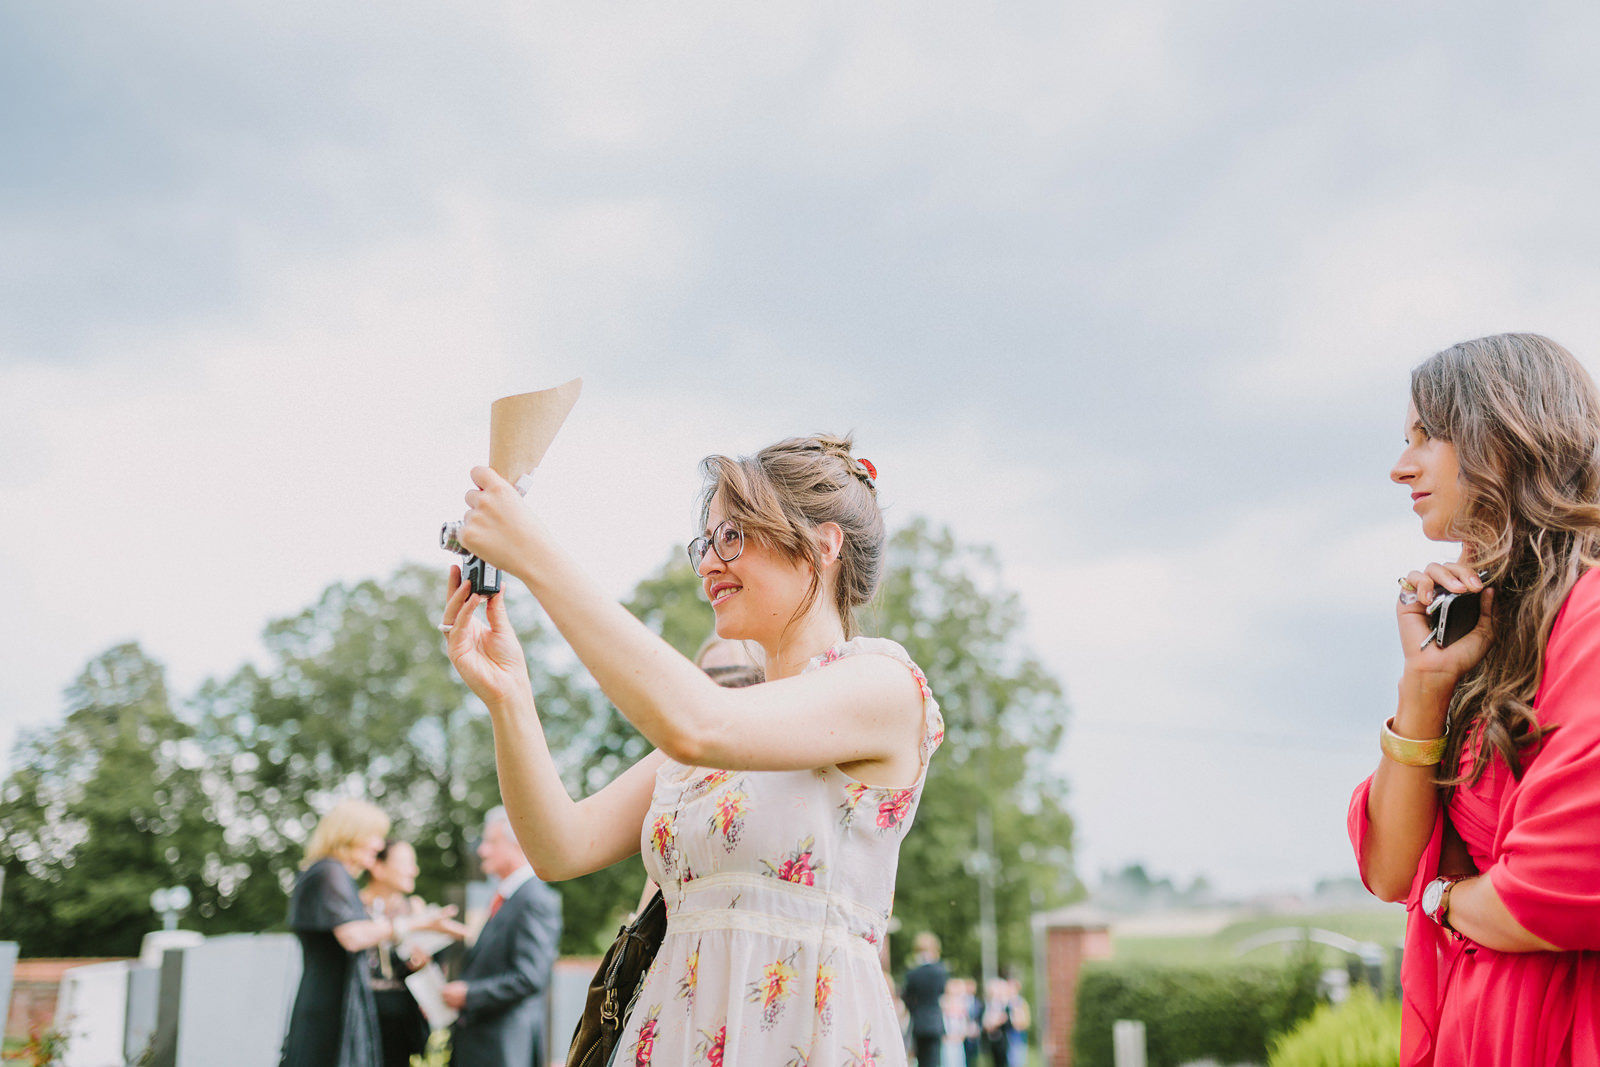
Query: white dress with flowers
x,y
778,887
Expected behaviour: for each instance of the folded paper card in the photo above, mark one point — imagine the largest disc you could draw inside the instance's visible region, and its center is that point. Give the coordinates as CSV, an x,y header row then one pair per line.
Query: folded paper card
x,y
521,428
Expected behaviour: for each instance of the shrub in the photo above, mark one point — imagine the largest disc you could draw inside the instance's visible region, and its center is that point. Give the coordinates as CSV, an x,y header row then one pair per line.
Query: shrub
x,y
1361,1032
1225,1013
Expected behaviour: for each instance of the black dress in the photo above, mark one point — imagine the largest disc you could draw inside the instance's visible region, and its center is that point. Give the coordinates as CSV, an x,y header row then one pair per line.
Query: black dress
x,y
401,1025
334,1022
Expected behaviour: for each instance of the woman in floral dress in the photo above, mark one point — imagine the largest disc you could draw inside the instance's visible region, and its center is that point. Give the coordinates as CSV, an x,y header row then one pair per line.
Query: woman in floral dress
x,y
770,815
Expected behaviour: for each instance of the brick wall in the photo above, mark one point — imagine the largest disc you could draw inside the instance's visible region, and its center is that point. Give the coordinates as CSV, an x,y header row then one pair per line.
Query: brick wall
x,y
34,986
1067,947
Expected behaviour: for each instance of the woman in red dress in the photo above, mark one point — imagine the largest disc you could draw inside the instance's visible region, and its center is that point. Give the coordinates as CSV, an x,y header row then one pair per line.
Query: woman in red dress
x,y
1484,812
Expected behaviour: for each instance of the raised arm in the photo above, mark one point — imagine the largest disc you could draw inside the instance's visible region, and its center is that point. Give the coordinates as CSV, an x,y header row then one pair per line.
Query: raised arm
x,y
865,711
562,838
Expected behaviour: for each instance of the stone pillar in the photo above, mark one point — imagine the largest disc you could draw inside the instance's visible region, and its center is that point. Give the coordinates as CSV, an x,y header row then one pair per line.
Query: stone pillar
x,y
1070,937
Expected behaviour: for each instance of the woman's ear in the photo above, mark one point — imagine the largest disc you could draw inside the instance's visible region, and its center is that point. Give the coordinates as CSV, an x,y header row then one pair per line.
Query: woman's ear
x,y
830,540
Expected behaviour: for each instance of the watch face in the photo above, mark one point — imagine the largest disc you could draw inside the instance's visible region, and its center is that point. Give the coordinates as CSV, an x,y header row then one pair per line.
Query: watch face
x,y
1431,897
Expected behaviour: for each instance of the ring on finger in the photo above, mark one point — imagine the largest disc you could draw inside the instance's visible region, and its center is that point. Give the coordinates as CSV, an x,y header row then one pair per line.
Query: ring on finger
x,y
446,627
1408,592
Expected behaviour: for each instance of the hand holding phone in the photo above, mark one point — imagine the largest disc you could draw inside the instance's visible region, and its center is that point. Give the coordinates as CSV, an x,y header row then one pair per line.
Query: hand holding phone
x,y
1454,616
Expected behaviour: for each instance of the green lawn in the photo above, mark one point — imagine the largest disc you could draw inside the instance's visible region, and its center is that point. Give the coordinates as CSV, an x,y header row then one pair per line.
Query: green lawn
x,y
1383,927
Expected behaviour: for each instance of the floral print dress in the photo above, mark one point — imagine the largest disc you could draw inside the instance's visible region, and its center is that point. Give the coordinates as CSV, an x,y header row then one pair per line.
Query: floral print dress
x,y
778,886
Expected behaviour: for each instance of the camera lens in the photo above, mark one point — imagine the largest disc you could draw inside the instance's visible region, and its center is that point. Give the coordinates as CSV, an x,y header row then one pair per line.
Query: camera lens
x,y
447,538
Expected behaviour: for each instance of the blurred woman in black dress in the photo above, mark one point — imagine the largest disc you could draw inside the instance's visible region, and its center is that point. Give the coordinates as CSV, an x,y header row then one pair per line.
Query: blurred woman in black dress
x,y
388,895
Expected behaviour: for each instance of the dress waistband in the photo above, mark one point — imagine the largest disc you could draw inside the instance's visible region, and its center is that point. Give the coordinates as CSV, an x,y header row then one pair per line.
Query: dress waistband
x,y
824,916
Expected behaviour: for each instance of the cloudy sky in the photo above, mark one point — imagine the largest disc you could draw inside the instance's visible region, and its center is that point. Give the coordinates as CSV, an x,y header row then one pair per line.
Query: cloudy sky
x,y
1128,291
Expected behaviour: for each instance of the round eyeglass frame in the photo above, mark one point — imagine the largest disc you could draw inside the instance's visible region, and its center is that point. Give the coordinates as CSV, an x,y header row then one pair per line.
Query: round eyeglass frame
x,y
698,547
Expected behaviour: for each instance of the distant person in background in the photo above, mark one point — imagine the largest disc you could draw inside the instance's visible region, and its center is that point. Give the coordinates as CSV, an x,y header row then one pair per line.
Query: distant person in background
x,y
956,1005
974,1040
1005,1013
1021,1021
402,1028
731,664
334,1022
505,978
923,996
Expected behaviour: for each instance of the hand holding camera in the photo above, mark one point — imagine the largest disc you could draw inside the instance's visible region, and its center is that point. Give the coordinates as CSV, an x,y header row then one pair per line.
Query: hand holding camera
x,y
521,428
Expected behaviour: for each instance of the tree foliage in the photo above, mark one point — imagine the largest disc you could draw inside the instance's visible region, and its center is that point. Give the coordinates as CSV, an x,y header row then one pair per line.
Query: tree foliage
x,y
102,810
1004,718
129,793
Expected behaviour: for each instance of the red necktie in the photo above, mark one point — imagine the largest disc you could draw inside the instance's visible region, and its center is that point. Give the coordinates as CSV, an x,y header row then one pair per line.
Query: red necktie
x,y
494,905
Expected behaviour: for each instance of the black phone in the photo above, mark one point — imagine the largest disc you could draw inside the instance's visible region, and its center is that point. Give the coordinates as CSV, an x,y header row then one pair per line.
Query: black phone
x,y
1454,616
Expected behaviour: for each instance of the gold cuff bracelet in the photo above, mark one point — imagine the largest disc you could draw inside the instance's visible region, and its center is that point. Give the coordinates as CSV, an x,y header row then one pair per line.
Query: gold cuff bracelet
x,y
1411,753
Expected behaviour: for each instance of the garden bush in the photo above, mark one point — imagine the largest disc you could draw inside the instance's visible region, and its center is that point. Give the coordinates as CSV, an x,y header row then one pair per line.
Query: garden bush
x,y
1226,1013
1361,1032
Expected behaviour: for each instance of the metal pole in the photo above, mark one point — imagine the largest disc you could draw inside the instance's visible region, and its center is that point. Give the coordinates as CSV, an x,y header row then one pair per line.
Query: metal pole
x,y
986,931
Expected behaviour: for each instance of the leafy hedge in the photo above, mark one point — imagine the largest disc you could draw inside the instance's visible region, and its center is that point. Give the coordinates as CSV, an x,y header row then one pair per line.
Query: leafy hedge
x,y
1226,1013
1361,1032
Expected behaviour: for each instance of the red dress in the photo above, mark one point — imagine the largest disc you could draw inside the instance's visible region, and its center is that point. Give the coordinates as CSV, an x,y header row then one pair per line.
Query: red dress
x,y
1539,842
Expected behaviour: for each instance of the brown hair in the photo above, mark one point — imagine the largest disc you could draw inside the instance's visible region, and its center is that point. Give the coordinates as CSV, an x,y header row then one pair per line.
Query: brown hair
x,y
1524,417
785,491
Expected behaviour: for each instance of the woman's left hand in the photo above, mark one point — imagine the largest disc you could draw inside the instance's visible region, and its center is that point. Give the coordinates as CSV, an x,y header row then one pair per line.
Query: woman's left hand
x,y
499,526
488,656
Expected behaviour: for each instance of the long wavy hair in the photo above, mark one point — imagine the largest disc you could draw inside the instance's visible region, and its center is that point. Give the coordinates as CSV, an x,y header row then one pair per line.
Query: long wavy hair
x,y
1524,417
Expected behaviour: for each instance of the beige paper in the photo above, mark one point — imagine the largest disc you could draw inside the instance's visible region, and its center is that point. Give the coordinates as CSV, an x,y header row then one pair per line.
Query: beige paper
x,y
521,427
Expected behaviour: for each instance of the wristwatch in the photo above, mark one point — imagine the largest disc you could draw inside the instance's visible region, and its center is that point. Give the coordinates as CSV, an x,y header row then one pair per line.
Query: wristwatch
x,y
1436,901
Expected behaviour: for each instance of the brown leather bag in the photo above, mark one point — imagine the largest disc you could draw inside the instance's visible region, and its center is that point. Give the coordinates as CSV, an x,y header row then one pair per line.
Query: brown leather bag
x,y
616,985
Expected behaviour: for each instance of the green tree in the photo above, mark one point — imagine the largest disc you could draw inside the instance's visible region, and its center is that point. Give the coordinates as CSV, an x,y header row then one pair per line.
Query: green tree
x,y
358,699
103,809
1004,718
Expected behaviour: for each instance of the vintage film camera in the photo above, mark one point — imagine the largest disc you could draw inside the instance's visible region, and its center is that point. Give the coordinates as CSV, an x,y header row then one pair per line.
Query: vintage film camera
x,y
485,580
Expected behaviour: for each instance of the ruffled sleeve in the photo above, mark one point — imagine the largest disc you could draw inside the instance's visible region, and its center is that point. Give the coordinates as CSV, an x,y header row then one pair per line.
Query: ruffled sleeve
x,y
1428,952
1547,866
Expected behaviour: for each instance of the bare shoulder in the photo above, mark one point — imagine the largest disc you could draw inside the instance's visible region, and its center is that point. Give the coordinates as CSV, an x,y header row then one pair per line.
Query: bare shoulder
x,y
875,672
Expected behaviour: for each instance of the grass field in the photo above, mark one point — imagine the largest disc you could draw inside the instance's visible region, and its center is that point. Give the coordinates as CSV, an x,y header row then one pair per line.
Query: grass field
x,y
1384,927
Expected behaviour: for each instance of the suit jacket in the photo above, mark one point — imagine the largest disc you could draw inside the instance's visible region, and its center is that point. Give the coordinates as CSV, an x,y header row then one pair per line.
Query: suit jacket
x,y
924,986
508,977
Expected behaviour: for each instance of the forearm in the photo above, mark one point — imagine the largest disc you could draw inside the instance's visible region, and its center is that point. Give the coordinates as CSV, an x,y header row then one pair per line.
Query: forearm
x,y
362,934
1477,913
1403,804
671,702
543,815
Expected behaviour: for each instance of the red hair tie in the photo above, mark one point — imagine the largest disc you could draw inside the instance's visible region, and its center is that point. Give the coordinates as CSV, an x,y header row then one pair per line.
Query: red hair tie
x,y
872,472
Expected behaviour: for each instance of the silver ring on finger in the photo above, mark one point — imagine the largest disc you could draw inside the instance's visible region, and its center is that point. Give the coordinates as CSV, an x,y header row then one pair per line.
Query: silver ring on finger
x,y
1408,592
446,627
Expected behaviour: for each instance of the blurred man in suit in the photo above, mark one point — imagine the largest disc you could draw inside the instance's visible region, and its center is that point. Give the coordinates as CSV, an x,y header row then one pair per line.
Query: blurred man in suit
x,y
925,984
506,974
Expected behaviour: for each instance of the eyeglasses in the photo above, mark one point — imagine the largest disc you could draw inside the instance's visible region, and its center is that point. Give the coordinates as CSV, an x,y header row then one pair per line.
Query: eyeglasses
x,y
727,540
